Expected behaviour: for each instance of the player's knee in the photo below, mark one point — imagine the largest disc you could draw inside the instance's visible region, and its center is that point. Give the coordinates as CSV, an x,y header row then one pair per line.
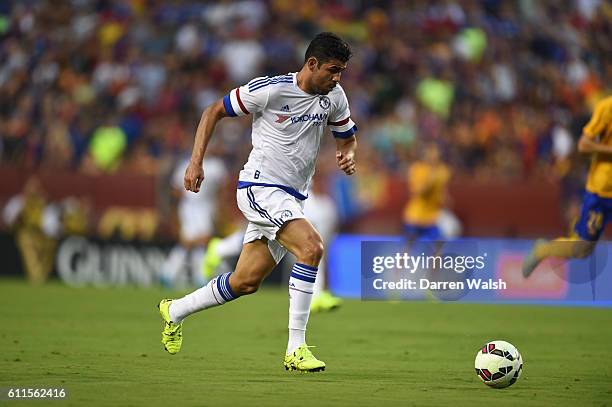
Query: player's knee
x,y
312,252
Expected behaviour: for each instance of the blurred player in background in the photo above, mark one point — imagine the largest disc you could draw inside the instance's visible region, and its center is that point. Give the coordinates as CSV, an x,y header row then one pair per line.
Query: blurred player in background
x,y
596,140
320,209
196,214
427,182
290,113
37,224
219,250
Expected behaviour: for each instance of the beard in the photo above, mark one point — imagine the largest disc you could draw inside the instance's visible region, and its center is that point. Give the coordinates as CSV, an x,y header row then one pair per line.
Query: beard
x,y
325,90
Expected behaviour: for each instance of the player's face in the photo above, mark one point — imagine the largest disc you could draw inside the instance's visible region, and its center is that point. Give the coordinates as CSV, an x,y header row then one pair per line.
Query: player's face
x,y
326,76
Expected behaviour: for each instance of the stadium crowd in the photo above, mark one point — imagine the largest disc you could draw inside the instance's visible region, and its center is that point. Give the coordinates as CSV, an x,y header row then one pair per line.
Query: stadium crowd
x,y
102,86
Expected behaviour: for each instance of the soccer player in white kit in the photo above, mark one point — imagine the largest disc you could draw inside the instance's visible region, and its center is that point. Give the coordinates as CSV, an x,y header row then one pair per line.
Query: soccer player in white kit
x,y
290,113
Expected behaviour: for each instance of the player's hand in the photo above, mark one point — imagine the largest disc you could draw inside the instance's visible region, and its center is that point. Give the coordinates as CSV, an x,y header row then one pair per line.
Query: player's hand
x,y
346,162
194,175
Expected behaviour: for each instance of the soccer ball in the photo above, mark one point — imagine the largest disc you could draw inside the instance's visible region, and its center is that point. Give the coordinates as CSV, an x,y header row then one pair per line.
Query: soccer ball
x,y
498,364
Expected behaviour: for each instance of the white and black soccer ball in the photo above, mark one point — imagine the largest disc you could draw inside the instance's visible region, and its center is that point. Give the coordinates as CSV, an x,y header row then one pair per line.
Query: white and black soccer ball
x,y
498,364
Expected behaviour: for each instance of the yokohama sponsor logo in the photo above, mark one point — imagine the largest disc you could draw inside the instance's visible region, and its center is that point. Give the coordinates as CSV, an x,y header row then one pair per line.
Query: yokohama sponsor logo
x,y
318,117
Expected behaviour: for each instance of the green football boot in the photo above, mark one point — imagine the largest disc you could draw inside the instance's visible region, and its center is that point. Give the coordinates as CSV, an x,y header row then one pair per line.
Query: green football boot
x,y
303,360
172,335
325,301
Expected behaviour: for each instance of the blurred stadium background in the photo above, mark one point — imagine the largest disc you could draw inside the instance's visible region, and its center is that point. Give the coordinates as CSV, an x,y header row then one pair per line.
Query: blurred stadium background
x,y
99,101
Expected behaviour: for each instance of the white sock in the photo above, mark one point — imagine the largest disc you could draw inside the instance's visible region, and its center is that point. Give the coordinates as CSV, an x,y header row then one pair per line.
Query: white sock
x,y
296,338
301,284
216,292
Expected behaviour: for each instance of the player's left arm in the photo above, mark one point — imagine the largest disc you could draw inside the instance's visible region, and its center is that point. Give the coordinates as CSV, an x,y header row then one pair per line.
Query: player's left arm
x,y
343,128
345,154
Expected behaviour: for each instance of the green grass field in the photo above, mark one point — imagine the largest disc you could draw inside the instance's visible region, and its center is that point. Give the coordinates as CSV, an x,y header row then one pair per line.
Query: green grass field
x,y
102,345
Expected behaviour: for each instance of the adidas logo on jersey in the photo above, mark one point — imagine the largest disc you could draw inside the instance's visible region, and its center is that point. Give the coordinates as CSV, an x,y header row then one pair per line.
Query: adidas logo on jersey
x,y
281,117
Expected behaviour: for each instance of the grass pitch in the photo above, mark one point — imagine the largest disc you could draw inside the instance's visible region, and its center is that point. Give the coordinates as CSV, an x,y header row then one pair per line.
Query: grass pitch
x,y
102,345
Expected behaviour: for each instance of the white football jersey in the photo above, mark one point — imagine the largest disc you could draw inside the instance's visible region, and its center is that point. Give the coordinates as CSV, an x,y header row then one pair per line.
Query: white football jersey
x,y
288,124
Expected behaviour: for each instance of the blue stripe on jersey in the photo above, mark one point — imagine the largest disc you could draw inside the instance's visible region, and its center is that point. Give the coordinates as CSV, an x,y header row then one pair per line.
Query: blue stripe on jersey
x,y
272,82
289,190
266,79
227,103
261,81
255,82
276,79
345,134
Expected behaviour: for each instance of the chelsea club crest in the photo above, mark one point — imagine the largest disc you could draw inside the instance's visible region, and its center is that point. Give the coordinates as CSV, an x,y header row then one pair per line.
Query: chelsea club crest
x,y
324,102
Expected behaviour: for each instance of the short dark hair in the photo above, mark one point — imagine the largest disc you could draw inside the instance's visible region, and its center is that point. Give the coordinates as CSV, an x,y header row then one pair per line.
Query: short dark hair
x,y
326,46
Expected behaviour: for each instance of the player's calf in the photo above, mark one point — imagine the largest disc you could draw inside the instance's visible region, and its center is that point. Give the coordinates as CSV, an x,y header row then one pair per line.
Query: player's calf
x,y
245,285
254,264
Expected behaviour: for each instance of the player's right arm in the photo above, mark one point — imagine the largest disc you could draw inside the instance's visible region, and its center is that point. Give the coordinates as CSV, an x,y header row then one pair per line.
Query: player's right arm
x,y
597,126
250,98
194,174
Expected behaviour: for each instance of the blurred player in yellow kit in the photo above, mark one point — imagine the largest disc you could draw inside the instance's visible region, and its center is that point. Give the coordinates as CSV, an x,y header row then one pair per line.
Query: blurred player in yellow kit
x,y
596,140
427,181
